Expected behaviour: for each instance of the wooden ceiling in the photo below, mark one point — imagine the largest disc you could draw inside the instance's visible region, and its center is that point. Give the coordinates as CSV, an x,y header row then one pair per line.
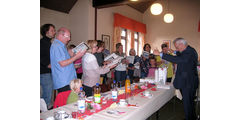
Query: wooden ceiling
x,y
66,5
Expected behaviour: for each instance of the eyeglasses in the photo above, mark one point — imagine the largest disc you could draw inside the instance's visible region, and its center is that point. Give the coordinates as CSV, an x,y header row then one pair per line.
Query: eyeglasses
x,y
66,36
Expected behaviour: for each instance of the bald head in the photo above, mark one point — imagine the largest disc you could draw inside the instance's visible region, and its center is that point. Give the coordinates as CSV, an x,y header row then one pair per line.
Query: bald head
x,y
63,34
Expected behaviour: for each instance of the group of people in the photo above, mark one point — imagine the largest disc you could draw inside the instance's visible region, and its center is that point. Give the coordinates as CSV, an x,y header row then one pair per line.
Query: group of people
x,y
63,70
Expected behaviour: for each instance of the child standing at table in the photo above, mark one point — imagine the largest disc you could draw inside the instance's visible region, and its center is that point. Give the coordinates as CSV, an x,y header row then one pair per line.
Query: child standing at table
x,y
75,87
152,68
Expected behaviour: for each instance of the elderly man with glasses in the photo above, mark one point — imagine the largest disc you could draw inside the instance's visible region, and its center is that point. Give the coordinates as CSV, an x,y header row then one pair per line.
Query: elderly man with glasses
x,y
63,70
186,78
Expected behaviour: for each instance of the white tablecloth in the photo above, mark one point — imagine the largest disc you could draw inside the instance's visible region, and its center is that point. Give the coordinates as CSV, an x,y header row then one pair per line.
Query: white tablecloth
x,y
146,107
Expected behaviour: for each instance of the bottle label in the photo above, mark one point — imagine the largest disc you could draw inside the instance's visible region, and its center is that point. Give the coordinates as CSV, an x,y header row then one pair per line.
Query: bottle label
x,y
114,94
97,98
128,88
81,105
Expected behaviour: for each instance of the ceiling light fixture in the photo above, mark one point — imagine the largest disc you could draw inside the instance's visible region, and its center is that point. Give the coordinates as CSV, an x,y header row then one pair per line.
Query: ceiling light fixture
x,y
168,17
156,9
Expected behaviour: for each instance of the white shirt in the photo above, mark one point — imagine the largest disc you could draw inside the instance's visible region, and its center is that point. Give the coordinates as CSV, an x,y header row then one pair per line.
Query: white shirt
x,y
91,70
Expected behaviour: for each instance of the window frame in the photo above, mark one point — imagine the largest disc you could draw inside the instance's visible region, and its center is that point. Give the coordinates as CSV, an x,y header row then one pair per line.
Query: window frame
x,y
124,38
137,40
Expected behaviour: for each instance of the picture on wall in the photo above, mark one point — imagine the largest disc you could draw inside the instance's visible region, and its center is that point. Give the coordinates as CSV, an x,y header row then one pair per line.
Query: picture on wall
x,y
168,42
106,39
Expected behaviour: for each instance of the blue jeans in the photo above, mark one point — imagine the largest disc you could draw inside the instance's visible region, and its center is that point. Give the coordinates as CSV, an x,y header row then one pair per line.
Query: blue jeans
x,y
120,75
47,87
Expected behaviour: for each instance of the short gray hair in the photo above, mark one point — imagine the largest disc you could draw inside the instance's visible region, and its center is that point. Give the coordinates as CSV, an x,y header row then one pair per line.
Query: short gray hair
x,y
180,40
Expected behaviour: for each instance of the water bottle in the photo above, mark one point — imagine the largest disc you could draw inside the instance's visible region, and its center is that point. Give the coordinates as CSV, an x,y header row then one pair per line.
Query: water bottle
x,y
114,91
81,101
97,95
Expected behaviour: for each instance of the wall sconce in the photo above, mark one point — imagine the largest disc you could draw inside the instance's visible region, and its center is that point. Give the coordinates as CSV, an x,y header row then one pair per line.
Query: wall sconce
x,y
156,9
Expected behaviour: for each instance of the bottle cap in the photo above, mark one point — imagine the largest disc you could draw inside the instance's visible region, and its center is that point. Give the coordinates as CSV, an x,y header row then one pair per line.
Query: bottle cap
x,y
97,84
114,81
127,77
81,88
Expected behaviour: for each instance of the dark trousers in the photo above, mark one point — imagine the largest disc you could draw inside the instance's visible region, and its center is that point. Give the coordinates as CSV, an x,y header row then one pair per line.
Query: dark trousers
x,y
120,75
79,75
130,74
169,79
65,88
188,95
88,90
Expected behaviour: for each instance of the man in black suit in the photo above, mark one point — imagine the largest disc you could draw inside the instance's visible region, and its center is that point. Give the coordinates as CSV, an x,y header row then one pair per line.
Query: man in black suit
x,y
186,78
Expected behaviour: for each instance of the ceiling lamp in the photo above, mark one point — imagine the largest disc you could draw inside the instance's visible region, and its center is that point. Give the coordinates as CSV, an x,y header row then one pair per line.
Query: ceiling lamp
x,y
168,18
134,0
156,9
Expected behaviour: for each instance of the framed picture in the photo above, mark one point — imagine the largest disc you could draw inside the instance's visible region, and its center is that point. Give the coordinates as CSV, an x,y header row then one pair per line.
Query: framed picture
x,y
106,39
168,42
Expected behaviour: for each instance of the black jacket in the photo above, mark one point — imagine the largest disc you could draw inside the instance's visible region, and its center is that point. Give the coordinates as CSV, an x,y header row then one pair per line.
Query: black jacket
x,y
45,44
186,74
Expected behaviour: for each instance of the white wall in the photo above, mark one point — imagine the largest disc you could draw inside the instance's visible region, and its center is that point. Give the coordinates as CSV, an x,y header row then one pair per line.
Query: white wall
x,y
81,22
105,18
58,19
186,18
81,18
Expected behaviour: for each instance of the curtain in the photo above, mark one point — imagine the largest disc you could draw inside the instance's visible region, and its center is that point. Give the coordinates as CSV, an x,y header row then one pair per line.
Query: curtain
x,y
128,23
132,26
116,37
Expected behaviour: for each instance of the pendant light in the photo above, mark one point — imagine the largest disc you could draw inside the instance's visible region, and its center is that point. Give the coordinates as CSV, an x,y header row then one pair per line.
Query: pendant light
x,y
168,17
156,8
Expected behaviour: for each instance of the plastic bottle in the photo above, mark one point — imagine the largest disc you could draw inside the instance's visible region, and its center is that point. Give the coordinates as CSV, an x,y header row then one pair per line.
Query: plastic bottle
x,y
97,94
114,91
81,100
127,88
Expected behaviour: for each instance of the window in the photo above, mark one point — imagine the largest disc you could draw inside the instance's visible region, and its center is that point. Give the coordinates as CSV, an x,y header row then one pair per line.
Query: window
x,y
124,39
127,40
136,44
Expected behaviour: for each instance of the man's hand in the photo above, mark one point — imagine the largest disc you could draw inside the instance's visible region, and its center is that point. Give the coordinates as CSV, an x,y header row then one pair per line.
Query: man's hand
x,y
113,66
79,54
170,50
49,66
156,52
106,62
72,59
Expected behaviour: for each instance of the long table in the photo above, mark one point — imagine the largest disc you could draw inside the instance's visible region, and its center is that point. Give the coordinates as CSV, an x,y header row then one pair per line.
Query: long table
x,y
145,107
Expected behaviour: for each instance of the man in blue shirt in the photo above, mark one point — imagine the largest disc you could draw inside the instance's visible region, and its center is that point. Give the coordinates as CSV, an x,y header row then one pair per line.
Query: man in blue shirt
x,y
63,70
